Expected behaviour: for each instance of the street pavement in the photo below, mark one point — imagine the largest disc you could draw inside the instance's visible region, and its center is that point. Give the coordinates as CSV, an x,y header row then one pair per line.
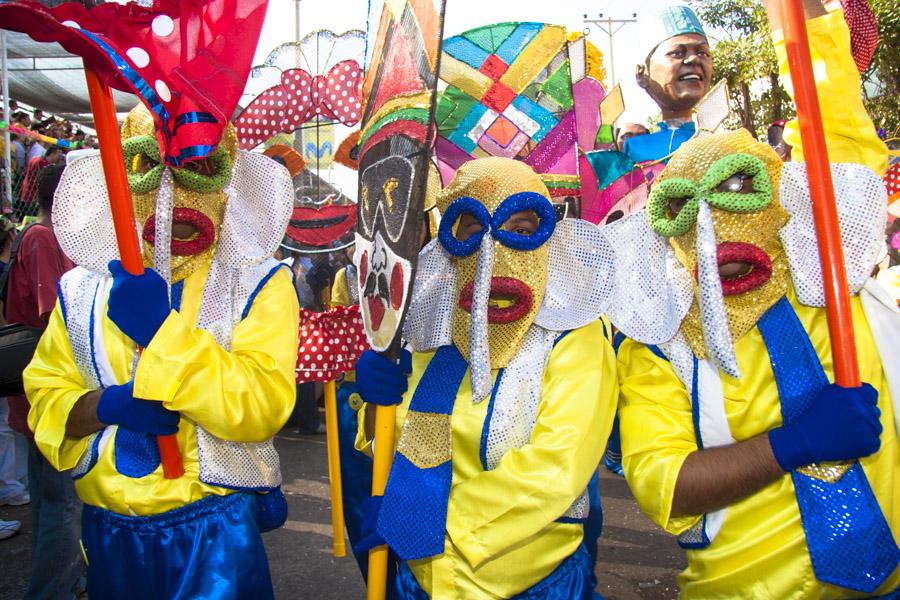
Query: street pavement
x,y
636,559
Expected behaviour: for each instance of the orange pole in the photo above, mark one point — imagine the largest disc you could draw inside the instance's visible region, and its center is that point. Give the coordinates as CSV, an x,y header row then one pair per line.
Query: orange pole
x,y
123,220
831,250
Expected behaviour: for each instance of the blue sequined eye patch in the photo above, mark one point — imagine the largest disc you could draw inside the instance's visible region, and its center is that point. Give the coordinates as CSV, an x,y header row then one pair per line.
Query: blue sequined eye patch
x,y
493,224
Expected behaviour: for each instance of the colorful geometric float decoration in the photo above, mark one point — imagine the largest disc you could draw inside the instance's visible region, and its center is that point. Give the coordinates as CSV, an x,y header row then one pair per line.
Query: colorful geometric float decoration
x,y
518,90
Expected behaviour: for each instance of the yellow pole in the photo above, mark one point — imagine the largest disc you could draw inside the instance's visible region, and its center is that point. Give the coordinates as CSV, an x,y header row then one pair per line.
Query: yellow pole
x,y
334,470
334,459
384,456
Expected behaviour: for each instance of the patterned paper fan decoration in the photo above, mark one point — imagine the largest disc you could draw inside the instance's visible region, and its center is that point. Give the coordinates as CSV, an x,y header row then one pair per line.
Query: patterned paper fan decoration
x,y
321,87
523,91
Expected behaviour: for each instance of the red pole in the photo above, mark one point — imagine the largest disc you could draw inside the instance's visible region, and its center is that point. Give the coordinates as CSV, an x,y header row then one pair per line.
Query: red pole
x,y
831,250
123,221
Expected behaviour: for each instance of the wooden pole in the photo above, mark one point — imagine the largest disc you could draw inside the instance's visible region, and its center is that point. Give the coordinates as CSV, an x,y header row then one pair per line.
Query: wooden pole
x,y
107,126
831,251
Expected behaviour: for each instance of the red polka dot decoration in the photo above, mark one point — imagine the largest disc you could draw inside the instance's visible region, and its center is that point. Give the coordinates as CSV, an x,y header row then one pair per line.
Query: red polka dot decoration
x,y
330,343
863,31
892,182
187,61
298,98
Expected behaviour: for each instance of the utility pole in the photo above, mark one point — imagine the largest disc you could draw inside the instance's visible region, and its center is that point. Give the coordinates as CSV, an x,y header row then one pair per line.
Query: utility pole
x,y
610,27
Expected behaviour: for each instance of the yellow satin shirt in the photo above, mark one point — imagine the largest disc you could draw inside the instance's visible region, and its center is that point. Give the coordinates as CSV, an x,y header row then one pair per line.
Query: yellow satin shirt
x,y
502,535
242,395
849,132
760,552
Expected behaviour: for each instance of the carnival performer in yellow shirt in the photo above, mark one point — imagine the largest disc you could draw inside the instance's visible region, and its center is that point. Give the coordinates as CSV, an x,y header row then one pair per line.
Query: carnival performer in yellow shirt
x,y
511,388
217,319
728,418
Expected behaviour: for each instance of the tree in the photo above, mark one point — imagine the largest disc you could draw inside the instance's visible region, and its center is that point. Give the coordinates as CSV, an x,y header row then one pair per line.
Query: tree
x,y
745,58
883,75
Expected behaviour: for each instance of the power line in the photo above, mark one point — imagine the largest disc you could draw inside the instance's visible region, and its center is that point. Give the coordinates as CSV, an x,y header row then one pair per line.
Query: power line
x,y
610,27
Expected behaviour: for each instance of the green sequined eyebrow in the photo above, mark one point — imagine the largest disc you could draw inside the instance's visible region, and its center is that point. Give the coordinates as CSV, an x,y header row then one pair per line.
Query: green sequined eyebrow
x,y
738,202
221,163
142,183
658,201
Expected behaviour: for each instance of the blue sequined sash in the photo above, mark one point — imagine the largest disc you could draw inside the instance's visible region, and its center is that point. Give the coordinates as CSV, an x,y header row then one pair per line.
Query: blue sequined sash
x,y
413,517
850,542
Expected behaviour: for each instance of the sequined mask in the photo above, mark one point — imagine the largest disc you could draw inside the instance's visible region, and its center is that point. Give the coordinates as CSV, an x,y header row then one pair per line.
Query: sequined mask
x,y
717,202
193,194
502,273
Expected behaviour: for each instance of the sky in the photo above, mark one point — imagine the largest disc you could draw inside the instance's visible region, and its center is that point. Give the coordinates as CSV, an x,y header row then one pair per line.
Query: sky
x,y
461,15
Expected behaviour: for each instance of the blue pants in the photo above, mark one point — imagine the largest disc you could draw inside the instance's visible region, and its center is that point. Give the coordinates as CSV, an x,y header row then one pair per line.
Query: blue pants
x,y
210,549
571,580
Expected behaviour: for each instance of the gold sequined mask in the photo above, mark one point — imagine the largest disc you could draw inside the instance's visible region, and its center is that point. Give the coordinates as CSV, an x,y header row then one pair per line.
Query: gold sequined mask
x,y
198,197
717,202
496,221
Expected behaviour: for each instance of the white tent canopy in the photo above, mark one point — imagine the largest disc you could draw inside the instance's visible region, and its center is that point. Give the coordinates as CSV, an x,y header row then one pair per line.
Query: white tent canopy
x,y
45,76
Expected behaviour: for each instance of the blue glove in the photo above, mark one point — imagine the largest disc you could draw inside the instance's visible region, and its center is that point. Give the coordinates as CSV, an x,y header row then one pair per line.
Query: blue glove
x,y
138,304
118,406
839,424
379,380
271,510
368,533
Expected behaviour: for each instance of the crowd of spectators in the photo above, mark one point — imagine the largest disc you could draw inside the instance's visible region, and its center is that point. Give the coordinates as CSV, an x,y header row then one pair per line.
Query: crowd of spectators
x,y
30,154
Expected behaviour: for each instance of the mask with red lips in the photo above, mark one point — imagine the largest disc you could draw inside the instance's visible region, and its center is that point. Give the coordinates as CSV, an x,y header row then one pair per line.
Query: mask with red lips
x,y
717,203
383,250
494,192
198,195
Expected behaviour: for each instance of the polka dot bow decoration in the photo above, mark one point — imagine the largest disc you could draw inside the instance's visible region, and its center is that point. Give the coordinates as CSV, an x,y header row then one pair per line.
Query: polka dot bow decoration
x,y
187,61
330,343
300,97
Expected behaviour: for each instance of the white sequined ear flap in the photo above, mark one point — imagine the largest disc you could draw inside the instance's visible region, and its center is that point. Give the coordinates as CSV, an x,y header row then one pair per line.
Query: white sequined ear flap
x,y
651,291
82,220
260,200
713,317
428,321
862,211
579,276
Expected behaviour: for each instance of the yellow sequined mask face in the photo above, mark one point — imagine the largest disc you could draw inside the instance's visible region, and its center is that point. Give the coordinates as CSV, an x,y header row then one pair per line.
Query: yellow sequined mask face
x,y
504,204
738,178
199,199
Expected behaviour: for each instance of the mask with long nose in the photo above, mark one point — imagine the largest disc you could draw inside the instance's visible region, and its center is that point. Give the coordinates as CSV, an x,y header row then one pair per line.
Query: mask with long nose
x,y
184,206
496,220
717,203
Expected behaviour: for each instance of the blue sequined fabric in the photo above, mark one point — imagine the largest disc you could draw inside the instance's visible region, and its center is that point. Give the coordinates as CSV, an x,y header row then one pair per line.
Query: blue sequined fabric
x,y
413,517
850,542
137,454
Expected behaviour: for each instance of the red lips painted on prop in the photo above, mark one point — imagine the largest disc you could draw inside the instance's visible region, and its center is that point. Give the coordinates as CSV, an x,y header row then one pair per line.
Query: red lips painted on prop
x,y
738,252
320,227
203,239
506,288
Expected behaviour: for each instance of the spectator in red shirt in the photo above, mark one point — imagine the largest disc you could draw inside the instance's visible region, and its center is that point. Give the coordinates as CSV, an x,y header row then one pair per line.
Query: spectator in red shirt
x,y
56,559
32,176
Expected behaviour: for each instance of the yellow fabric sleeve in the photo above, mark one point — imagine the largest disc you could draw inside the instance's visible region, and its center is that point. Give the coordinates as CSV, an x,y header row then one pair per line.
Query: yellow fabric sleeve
x,y
53,386
657,429
849,132
340,294
534,485
242,395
